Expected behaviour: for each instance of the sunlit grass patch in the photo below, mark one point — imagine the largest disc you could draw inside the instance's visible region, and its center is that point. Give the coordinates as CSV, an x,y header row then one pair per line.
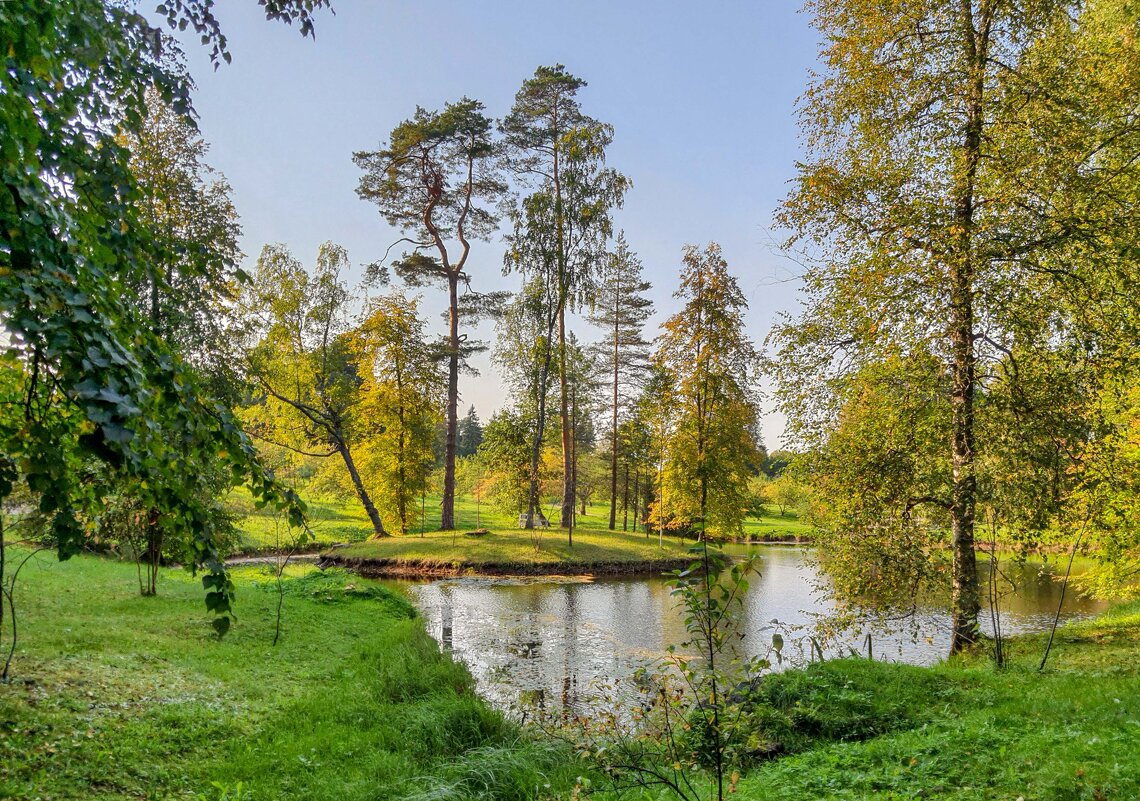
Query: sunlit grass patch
x,y
116,696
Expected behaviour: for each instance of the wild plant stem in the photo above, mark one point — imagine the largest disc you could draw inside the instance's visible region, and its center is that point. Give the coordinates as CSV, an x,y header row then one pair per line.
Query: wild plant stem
x,y
1061,600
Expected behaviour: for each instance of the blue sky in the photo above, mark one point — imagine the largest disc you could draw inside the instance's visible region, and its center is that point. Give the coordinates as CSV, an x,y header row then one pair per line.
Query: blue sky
x,y
701,96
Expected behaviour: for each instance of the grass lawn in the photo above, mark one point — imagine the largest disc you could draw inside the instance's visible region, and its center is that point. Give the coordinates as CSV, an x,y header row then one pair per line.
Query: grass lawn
x,y
516,550
773,527
334,520
115,696
330,520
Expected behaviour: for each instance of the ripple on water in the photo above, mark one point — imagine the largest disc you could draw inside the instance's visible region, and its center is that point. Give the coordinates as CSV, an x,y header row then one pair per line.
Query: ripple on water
x,y
545,643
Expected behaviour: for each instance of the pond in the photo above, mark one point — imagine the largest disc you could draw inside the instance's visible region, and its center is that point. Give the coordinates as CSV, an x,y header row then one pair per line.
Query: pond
x,y
545,644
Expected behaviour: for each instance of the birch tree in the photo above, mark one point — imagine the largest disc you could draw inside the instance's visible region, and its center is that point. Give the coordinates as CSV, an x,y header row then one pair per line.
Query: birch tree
x,y
711,365
402,396
954,156
553,147
302,363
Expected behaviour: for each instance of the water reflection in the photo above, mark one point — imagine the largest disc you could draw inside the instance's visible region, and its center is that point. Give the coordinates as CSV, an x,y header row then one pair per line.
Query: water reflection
x,y
542,645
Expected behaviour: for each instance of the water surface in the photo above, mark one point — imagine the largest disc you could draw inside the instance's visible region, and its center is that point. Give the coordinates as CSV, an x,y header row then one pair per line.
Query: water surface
x,y
545,643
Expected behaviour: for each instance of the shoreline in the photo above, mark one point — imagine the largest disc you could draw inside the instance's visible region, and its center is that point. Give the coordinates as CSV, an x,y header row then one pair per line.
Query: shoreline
x,y
395,567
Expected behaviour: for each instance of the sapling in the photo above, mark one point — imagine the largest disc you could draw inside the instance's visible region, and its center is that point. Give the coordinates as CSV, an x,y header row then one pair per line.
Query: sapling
x,y
685,735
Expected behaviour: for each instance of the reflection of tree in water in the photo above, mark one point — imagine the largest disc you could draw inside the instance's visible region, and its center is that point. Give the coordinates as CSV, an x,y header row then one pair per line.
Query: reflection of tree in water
x,y
525,642
569,700
549,649
446,617
1023,595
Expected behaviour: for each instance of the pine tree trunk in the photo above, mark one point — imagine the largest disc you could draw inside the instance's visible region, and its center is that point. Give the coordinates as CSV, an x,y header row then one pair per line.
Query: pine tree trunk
x,y
573,468
401,461
567,430
447,513
614,429
637,498
536,445
625,501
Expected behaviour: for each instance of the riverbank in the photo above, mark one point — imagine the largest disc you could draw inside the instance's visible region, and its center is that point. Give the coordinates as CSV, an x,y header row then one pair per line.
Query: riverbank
x,y
446,554
855,729
862,730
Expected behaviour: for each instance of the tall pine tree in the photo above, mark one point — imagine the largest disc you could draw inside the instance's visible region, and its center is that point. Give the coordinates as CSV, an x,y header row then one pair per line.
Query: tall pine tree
x,y
620,309
564,225
437,180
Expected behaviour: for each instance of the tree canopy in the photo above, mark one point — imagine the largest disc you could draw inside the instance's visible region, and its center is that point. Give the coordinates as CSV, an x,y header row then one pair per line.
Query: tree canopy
x,y
960,171
71,235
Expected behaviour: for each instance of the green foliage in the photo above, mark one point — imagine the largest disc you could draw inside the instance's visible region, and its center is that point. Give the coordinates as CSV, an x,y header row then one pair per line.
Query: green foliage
x,y
299,351
1109,498
330,519
787,494
184,294
550,143
96,382
506,453
949,308
435,180
303,361
402,391
126,527
187,293
776,462
880,488
707,368
470,434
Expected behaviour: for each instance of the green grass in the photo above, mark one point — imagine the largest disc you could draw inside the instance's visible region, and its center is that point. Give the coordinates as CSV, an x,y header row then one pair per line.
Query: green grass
x,y
335,520
963,730
774,527
517,549
330,520
116,696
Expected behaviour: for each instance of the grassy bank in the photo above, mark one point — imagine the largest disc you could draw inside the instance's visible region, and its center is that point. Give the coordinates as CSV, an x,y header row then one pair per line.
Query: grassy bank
x,y
334,520
117,696
774,527
444,553
854,729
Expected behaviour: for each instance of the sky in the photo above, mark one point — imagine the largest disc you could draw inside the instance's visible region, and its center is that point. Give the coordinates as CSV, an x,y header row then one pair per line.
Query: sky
x,y
701,96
